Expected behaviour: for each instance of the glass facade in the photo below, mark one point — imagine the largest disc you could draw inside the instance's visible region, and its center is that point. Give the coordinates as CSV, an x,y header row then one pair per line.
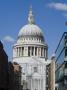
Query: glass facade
x,y
60,73
60,59
61,63
61,51
60,48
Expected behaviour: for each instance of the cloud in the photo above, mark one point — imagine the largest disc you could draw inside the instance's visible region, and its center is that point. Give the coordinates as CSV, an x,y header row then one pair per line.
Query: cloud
x,y
58,6
65,15
8,39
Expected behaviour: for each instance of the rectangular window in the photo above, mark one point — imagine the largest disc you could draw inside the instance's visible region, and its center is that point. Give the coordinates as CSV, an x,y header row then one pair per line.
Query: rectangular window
x,y
35,69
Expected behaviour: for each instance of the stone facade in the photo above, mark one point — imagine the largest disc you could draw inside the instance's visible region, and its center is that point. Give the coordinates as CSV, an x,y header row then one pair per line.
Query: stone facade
x,y
30,52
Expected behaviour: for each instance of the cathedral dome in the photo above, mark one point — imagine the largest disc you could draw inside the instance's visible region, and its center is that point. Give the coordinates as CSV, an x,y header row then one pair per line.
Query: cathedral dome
x,y
30,41
30,30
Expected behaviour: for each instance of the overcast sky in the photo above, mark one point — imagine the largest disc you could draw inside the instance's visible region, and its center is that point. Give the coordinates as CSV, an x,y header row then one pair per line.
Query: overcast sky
x,y
50,16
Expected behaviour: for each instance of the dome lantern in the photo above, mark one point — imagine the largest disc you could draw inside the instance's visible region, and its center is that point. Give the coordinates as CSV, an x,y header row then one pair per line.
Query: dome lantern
x,y
30,17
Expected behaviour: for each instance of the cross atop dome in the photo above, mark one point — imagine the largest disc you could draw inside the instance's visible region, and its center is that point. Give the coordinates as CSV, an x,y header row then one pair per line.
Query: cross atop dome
x,y
30,16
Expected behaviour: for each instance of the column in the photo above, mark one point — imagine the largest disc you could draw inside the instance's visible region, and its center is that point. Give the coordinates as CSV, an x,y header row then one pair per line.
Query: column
x,y
44,83
15,50
46,53
18,51
40,84
21,51
43,52
24,51
30,51
34,51
40,52
37,51
31,83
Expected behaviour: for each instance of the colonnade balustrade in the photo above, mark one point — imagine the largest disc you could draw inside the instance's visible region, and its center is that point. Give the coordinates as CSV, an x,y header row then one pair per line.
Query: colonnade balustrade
x,y
31,51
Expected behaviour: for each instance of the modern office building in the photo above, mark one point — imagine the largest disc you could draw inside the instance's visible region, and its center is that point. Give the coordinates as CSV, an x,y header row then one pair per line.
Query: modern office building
x,y
61,63
3,68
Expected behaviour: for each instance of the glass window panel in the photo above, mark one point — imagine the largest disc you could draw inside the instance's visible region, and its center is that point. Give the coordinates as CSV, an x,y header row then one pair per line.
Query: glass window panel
x,y
60,48
60,59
